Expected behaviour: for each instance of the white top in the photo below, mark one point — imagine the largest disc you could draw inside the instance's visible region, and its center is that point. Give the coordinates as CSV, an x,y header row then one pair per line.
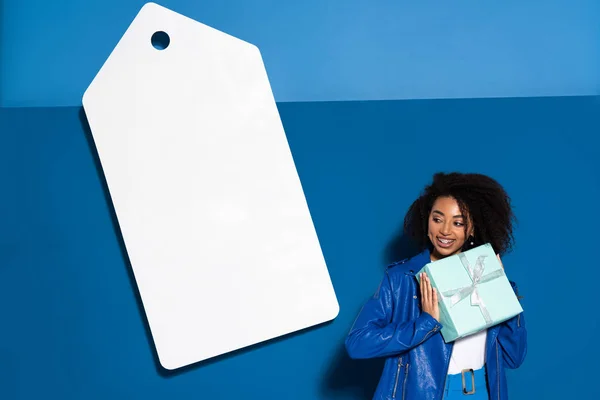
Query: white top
x,y
468,352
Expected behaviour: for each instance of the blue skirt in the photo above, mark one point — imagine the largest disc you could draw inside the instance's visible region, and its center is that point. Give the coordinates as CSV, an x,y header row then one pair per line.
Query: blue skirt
x,y
466,386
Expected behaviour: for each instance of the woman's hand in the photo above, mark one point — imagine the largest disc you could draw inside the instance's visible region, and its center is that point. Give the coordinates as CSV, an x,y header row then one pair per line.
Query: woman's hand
x,y
429,299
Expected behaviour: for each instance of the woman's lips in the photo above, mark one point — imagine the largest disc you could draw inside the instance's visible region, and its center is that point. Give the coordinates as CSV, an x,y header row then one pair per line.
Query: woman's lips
x,y
445,243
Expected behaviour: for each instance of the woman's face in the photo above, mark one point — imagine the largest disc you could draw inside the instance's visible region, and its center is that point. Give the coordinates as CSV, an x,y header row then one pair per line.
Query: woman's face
x,y
446,229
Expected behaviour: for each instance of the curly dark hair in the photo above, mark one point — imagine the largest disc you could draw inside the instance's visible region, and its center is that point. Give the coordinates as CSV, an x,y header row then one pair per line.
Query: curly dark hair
x,y
480,197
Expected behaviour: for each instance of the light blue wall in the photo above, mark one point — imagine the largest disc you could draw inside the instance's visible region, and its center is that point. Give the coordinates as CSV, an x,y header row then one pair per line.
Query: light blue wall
x,y
71,324
327,49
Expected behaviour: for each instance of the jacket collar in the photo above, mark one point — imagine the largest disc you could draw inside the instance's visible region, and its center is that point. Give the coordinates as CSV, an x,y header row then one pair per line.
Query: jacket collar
x,y
417,262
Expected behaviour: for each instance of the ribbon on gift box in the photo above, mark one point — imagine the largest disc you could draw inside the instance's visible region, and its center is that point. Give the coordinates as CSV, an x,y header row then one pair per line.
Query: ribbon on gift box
x,y
477,278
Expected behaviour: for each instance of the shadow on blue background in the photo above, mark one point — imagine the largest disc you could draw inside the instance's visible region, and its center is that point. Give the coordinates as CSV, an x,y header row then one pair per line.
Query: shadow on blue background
x,y
117,231
358,377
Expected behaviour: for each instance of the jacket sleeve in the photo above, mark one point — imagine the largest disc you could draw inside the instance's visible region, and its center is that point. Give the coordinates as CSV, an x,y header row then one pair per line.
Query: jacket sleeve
x,y
374,334
513,339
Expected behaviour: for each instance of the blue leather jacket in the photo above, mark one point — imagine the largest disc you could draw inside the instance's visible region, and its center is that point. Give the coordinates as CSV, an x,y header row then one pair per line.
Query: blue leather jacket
x,y
392,325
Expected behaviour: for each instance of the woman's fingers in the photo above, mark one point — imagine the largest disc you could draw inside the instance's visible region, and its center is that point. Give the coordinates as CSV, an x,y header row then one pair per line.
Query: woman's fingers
x,y
436,309
429,297
422,289
427,293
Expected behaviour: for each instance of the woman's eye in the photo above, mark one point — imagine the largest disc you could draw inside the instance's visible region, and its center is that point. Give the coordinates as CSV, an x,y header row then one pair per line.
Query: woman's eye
x,y
459,224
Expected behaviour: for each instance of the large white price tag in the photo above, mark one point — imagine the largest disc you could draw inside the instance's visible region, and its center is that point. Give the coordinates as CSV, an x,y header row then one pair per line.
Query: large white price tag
x,y
206,193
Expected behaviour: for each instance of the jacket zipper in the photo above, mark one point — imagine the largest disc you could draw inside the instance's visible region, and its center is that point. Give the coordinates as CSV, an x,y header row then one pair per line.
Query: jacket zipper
x,y
428,333
397,376
519,320
425,338
404,384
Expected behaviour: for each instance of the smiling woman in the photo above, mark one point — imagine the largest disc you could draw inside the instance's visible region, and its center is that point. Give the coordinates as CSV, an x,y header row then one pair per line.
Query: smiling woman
x,y
447,227
455,213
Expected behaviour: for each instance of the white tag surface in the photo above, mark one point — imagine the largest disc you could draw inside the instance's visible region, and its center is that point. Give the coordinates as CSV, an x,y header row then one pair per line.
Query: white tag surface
x,y
205,189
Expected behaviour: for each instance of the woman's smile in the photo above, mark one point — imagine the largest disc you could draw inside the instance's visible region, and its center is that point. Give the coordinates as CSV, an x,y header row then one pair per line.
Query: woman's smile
x,y
445,243
446,227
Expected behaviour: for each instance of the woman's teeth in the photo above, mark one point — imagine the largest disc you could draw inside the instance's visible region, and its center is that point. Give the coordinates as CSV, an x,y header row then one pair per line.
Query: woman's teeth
x,y
445,242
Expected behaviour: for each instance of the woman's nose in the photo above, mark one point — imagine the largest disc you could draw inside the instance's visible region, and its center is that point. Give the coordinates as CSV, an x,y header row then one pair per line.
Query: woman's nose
x,y
445,229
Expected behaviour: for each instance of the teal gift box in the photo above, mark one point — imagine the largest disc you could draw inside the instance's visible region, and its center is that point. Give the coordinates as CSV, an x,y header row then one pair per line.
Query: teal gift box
x,y
473,292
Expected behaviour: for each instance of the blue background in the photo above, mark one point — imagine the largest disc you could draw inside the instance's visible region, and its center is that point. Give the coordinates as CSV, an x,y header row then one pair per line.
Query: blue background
x,y
72,324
